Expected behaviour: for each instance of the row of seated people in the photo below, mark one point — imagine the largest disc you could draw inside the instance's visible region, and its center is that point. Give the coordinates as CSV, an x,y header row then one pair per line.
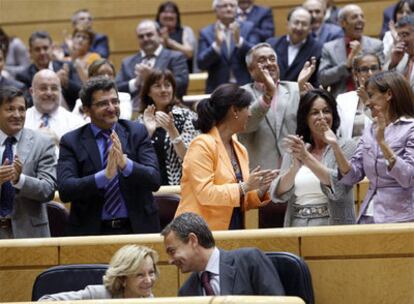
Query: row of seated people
x,y
223,45
190,246
109,168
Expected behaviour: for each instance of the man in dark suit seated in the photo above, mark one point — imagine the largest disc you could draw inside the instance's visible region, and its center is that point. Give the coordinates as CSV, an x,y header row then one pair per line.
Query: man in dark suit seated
x,y
152,55
223,46
108,169
100,43
322,31
260,16
297,47
40,47
27,171
190,246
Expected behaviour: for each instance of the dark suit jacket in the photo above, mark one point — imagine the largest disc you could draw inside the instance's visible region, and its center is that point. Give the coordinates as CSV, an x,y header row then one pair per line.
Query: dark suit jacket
x,y
219,66
330,32
168,59
100,45
70,93
387,17
290,73
245,271
262,19
79,160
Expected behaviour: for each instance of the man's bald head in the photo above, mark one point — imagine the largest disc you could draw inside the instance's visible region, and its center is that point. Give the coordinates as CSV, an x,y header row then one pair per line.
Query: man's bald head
x,y
46,91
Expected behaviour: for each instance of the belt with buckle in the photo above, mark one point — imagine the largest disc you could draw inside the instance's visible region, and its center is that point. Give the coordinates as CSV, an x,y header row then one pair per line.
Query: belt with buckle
x,y
5,223
116,223
310,211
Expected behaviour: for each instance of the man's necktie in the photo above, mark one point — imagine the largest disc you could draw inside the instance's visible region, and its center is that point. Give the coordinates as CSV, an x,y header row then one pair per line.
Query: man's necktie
x,y
45,120
112,195
205,282
409,69
7,190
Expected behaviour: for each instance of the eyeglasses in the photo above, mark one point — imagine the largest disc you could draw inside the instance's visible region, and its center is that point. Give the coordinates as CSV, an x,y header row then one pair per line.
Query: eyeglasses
x,y
106,103
372,68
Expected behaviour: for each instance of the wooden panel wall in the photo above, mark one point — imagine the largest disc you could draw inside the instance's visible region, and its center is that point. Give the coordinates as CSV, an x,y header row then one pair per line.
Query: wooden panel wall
x,y
357,264
118,18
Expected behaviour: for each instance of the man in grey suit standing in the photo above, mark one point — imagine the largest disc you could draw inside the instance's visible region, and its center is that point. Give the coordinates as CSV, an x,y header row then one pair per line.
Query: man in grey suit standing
x,y
335,69
273,111
152,55
27,171
190,246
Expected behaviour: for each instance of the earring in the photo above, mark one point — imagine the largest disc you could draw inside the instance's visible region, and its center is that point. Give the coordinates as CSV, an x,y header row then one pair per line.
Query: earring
x,y
236,116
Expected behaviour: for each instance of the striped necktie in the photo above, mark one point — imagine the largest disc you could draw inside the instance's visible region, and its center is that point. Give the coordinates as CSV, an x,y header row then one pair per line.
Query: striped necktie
x,y
45,120
7,190
112,195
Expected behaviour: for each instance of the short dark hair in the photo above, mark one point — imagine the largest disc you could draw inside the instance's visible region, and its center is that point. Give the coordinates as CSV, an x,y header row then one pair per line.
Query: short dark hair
x,y
96,65
187,223
402,101
9,93
88,32
39,35
358,59
152,78
400,5
305,105
100,83
214,109
163,7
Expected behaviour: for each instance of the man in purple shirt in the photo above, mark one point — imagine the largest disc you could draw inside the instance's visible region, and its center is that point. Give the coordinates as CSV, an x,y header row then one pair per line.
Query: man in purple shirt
x,y
108,169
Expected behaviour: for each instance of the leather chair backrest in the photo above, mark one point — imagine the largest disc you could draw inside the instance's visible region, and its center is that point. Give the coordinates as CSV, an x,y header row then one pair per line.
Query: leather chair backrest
x,y
167,204
294,274
58,217
67,278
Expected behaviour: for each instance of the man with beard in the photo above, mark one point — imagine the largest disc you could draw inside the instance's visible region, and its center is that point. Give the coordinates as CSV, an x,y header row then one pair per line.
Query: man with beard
x,y
335,69
108,169
27,171
46,114
152,55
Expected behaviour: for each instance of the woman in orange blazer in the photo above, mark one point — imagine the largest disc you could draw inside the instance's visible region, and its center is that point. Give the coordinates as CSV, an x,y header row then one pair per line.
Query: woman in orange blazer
x,y
216,183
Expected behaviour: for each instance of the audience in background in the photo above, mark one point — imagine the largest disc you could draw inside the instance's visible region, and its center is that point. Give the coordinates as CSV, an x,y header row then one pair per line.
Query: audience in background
x,y
403,8
4,81
260,16
337,55
103,67
321,30
40,44
190,246
331,14
174,35
273,110
83,19
216,182
388,14
308,181
402,53
297,47
169,124
47,115
385,152
223,45
355,117
152,55
107,169
27,171
132,273
15,55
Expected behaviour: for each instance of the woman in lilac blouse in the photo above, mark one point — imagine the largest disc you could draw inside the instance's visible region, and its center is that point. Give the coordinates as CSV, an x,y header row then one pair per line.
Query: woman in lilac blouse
x,y
385,153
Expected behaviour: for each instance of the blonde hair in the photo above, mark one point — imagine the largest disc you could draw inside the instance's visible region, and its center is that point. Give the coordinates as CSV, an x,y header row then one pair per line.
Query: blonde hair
x,y
127,261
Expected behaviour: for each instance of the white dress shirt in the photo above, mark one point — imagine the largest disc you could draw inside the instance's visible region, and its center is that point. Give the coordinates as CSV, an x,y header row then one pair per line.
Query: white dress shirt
x,y
213,266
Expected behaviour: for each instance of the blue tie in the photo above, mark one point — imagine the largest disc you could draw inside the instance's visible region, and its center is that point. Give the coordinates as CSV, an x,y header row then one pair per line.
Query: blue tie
x,y
45,120
112,195
7,190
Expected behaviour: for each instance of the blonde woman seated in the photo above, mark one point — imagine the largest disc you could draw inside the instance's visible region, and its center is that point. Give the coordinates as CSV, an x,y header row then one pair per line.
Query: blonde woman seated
x,y
103,67
308,181
169,124
132,273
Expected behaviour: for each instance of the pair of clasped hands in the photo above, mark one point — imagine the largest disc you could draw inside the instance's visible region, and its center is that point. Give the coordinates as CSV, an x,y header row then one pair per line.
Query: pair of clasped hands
x,y
116,159
154,119
10,171
260,180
